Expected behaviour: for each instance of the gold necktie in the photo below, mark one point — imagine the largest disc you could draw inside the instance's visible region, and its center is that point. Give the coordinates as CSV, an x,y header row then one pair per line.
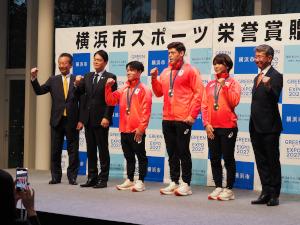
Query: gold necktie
x,y
260,76
65,92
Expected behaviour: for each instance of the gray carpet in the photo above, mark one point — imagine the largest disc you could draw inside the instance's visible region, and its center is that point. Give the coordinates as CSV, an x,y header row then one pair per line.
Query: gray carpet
x,y
151,208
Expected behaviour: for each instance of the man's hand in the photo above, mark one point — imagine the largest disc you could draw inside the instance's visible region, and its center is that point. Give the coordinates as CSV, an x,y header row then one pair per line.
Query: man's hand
x,y
138,135
221,81
189,120
79,126
77,80
110,82
154,72
34,73
266,81
210,131
104,123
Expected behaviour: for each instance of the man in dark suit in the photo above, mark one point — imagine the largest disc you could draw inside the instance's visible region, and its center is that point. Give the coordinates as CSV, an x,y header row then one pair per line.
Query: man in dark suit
x,y
265,125
97,117
64,117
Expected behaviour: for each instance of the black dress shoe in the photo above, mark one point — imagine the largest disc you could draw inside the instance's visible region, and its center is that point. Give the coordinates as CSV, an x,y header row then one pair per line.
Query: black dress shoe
x,y
262,199
73,182
89,183
54,181
101,184
273,201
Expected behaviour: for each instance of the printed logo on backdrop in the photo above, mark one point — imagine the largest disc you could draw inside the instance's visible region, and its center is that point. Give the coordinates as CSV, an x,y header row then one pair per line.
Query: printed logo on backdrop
x,y
291,119
117,63
143,58
244,61
81,63
290,179
246,82
82,163
243,113
291,89
156,116
290,149
199,171
157,59
205,79
155,143
201,59
117,166
64,160
198,145
155,170
198,125
116,117
278,61
114,140
82,142
244,175
243,147
292,59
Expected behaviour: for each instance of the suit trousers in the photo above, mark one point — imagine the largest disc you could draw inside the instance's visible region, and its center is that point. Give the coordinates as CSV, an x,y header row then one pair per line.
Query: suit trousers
x,y
177,136
97,141
57,140
223,145
131,148
266,151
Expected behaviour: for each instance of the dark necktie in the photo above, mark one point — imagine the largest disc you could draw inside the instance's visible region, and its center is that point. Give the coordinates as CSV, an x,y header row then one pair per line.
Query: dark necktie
x,y
95,81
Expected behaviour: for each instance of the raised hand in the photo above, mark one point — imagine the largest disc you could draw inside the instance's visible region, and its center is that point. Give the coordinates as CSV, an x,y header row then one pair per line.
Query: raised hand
x,y
110,82
154,72
34,73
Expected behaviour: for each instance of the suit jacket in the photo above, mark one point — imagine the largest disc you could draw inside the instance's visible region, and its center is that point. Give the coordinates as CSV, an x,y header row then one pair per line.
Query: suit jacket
x,y
94,107
265,117
54,85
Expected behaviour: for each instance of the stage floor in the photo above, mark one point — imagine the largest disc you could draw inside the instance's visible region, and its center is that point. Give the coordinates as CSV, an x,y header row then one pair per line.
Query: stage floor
x,y
151,208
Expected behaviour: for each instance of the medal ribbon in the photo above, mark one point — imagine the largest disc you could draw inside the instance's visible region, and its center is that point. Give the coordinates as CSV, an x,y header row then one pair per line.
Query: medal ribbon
x,y
129,97
172,81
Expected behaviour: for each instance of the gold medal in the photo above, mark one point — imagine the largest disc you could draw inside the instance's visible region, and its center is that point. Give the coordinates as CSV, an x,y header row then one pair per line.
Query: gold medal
x,y
127,111
216,106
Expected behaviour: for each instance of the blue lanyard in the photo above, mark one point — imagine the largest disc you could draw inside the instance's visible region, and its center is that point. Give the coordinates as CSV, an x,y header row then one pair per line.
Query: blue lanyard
x,y
129,97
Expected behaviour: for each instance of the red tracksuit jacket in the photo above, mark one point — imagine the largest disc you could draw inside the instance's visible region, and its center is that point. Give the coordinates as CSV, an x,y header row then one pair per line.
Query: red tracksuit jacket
x,y
188,90
140,107
229,98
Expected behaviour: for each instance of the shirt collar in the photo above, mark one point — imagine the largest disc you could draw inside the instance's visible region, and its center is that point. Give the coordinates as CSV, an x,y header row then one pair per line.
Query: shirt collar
x,y
67,76
265,70
100,73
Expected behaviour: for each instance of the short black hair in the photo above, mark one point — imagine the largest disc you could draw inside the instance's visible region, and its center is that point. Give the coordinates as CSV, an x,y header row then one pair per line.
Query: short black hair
x,y
67,55
223,59
103,54
179,46
136,65
267,49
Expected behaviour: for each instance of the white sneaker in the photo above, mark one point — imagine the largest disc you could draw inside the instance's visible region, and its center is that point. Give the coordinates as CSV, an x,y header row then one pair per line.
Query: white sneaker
x,y
138,186
214,195
226,194
169,190
183,190
126,185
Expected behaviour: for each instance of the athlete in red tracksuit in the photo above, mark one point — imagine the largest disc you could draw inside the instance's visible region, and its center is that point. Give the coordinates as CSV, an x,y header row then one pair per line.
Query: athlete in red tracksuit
x,y
135,100
181,86
220,98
